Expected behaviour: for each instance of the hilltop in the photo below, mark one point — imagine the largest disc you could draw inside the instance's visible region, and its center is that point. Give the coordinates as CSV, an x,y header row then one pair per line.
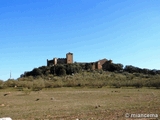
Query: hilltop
x,y
62,72
65,66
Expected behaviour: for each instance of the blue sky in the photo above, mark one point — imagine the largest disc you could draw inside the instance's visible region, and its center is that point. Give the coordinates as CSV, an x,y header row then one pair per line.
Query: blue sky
x,y
126,31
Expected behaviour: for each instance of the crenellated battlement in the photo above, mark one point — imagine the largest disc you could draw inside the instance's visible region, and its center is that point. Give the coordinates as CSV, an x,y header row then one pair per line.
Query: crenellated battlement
x,y
61,58
67,60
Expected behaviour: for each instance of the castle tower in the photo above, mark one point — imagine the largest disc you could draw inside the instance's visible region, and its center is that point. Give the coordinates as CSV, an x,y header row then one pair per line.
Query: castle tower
x,y
69,57
54,61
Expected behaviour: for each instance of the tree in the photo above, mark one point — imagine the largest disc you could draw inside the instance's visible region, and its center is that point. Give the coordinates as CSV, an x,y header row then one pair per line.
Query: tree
x,y
132,69
58,69
118,67
112,66
36,72
69,69
88,66
44,70
52,70
62,72
73,68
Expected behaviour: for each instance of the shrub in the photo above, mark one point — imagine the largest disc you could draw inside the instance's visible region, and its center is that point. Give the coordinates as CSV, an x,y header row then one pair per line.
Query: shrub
x,y
38,85
24,84
137,83
48,84
58,83
154,83
28,78
116,84
1,84
10,83
70,83
26,91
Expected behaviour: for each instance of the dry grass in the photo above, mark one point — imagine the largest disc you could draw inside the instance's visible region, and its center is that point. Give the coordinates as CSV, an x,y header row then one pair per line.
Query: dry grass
x,y
82,103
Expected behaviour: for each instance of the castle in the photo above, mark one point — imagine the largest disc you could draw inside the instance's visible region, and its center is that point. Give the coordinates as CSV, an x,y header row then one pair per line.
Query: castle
x,y
69,60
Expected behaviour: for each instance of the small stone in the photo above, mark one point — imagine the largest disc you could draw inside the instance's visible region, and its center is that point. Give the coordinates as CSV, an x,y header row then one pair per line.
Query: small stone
x,y
37,99
2,105
52,98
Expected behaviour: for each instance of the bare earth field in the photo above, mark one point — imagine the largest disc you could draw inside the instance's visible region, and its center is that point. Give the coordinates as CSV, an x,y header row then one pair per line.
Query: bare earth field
x,y
80,104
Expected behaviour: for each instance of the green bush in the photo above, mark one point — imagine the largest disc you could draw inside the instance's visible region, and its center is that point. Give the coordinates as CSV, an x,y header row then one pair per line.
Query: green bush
x,y
10,83
2,84
138,84
24,84
58,83
94,78
48,83
70,83
38,85
153,83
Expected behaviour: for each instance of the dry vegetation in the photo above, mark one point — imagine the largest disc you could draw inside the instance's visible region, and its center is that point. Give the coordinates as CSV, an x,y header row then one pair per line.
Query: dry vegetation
x,y
93,95
71,103
83,79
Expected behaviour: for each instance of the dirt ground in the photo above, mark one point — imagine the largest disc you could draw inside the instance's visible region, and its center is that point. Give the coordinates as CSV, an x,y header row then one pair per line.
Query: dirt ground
x,y
81,104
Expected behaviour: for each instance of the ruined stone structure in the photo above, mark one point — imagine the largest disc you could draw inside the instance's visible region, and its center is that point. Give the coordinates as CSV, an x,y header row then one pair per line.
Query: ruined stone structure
x,y
69,57
67,60
98,64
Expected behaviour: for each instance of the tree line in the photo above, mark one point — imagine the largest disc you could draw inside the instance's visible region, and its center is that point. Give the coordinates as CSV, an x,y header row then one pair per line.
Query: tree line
x,y
70,69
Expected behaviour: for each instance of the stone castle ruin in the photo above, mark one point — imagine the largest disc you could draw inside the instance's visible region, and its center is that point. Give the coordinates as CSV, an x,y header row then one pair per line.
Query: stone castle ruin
x,y
69,60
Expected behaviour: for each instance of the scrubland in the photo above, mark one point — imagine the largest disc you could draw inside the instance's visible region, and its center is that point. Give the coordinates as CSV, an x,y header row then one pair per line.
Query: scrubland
x,y
84,96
